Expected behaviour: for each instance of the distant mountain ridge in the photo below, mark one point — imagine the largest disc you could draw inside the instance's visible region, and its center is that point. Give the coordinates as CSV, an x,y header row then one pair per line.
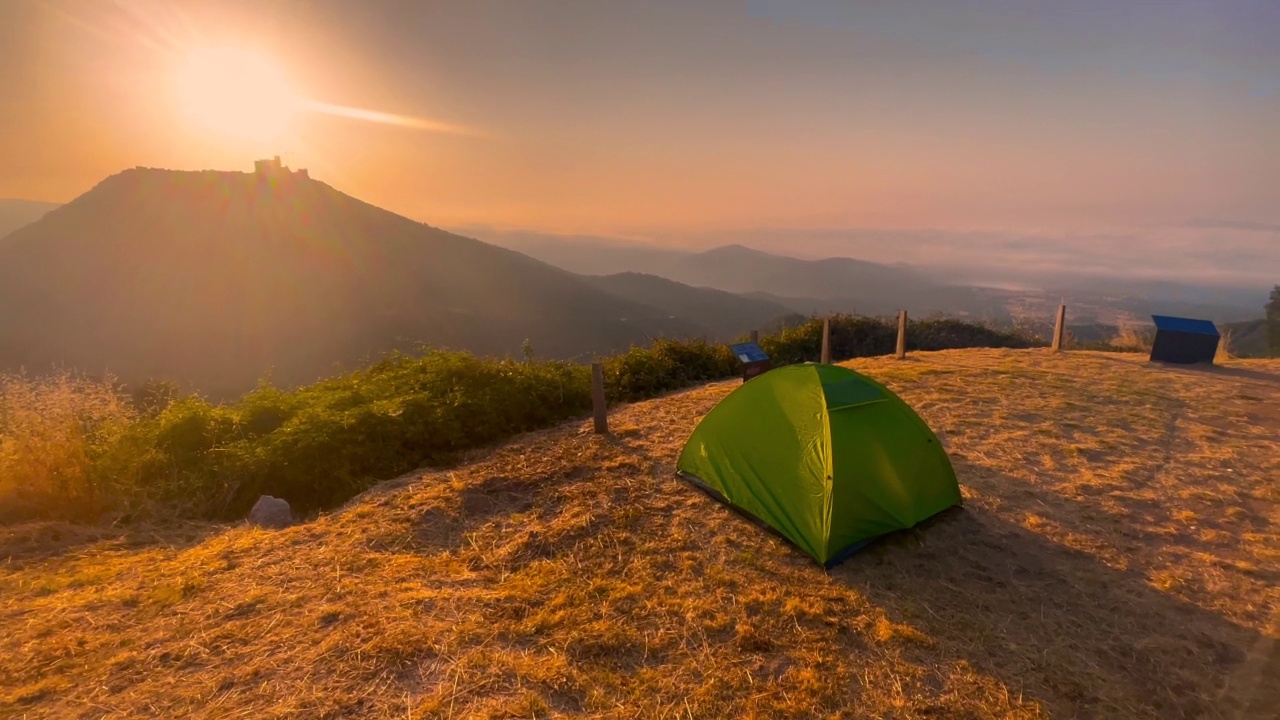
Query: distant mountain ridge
x,y
17,213
836,284
842,284
721,314
1248,338
216,277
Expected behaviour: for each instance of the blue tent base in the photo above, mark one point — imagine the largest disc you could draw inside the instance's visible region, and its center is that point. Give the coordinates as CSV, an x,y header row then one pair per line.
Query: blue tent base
x,y
849,552
835,560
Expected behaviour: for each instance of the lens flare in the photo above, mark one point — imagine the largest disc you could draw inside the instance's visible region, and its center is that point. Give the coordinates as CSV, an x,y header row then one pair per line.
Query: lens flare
x,y
237,92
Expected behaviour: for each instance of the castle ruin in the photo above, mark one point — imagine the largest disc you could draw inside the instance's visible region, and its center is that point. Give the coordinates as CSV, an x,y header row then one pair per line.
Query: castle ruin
x,y
273,169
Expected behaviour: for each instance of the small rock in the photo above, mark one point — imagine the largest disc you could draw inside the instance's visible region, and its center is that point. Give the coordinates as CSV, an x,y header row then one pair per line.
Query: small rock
x,y
271,512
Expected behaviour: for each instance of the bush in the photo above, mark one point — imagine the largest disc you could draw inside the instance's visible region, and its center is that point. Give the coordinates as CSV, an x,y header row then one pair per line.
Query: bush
x,y
951,334
69,446
664,366
319,445
857,336
53,432
153,396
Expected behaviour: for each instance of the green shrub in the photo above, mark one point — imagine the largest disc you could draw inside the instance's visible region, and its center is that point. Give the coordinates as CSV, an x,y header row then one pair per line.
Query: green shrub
x,y
154,395
664,366
319,445
858,336
950,334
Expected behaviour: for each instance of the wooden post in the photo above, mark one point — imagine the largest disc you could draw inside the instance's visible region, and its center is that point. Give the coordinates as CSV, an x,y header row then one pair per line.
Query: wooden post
x,y
826,341
597,399
902,334
755,336
1059,327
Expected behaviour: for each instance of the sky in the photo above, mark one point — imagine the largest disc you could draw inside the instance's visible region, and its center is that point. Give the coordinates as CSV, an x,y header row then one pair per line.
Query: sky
x,y
685,120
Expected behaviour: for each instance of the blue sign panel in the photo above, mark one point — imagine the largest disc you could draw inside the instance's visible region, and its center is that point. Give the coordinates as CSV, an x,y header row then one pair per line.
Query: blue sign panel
x,y
748,352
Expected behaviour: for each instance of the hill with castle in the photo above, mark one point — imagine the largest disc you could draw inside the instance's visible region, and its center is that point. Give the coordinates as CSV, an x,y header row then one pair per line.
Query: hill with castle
x,y
216,278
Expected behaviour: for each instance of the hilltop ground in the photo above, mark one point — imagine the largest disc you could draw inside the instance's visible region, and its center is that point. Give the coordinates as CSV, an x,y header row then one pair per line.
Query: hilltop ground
x,y
1117,556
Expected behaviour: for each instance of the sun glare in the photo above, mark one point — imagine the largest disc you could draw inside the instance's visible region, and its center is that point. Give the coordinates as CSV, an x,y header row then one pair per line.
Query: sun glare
x,y
236,92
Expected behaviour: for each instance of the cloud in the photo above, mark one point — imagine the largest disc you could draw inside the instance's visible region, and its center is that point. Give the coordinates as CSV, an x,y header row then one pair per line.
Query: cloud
x,y
1233,225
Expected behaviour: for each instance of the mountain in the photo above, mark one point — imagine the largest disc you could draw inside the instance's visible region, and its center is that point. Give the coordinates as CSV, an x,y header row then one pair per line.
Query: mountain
x,y
214,277
586,254
741,269
805,286
832,284
1248,339
720,314
17,213
841,284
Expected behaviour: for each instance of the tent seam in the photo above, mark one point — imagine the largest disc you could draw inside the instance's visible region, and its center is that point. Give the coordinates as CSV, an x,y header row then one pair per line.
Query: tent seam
x,y
828,499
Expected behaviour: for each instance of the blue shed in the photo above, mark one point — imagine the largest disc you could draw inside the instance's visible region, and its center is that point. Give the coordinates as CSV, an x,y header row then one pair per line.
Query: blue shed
x,y
1184,340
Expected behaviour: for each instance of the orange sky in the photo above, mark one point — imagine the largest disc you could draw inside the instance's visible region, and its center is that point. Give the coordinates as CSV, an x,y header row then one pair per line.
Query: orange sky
x,y
630,118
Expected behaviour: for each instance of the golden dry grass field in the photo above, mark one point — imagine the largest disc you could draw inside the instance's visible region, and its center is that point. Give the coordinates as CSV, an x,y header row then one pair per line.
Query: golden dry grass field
x,y
1117,557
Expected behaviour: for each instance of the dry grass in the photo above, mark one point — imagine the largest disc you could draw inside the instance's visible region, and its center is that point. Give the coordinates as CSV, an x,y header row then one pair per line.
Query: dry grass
x,y
1225,350
1134,338
47,434
1117,558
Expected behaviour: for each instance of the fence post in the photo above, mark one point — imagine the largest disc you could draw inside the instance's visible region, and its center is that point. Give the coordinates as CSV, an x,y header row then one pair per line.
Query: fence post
x,y
1059,327
755,336
597,399
902,334
826,341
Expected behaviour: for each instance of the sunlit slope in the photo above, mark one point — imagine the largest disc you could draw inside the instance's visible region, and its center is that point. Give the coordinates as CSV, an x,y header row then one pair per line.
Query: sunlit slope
x,y
216,277
1117,556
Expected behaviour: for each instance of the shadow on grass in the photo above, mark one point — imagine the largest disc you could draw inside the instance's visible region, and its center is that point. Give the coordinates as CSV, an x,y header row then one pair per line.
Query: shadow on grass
x,y
1221,371
1052,623
33,542
1203,369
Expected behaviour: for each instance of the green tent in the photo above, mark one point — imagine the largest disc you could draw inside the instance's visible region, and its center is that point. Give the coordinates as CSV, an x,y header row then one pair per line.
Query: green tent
x,y
827,457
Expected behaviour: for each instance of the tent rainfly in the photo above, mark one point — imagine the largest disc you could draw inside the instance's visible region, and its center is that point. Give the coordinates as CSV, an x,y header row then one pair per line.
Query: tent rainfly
x,y
828,458
1184,340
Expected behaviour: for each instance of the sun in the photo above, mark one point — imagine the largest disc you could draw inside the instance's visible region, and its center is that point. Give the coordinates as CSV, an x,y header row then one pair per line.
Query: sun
x,y
236,92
